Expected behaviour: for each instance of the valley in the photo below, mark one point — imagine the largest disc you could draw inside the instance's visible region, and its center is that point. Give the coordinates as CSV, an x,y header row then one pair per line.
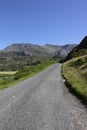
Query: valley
x,y
17,56
40,101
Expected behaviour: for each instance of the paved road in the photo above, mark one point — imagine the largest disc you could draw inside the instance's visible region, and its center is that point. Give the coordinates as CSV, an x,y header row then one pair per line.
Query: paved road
x,y
36,104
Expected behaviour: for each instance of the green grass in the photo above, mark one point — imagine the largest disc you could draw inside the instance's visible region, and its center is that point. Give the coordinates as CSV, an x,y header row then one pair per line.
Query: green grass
x,y
8,79
28,71
75,73
5,80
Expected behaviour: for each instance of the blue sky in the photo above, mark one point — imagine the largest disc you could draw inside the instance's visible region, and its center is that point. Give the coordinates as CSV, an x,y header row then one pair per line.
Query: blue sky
x,y
42,21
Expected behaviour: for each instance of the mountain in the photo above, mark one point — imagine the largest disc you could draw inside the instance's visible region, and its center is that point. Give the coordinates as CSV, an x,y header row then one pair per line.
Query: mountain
x,y
16,56
27,49
65,50
58,50
79,50
36,50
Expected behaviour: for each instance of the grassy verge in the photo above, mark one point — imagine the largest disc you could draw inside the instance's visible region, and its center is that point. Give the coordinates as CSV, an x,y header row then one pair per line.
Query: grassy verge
x,y
75,73
8,79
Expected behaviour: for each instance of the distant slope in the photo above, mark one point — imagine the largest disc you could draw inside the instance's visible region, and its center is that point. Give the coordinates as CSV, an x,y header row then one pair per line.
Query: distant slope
x,y
44,50
75,72
79,50
58,50
16,56
65,50
28,49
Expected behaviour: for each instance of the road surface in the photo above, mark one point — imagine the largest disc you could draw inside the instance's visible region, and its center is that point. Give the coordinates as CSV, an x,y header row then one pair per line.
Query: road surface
x,y
36,104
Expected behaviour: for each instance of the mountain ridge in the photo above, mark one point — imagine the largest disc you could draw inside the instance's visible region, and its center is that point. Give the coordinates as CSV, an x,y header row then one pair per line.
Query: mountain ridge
x,y
47,48
79,50
16,56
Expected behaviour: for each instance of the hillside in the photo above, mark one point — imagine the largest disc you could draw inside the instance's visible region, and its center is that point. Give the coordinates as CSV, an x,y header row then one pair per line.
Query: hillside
x,y
75,73
16,56
79,50
75,70
47,49
58,50
28,49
